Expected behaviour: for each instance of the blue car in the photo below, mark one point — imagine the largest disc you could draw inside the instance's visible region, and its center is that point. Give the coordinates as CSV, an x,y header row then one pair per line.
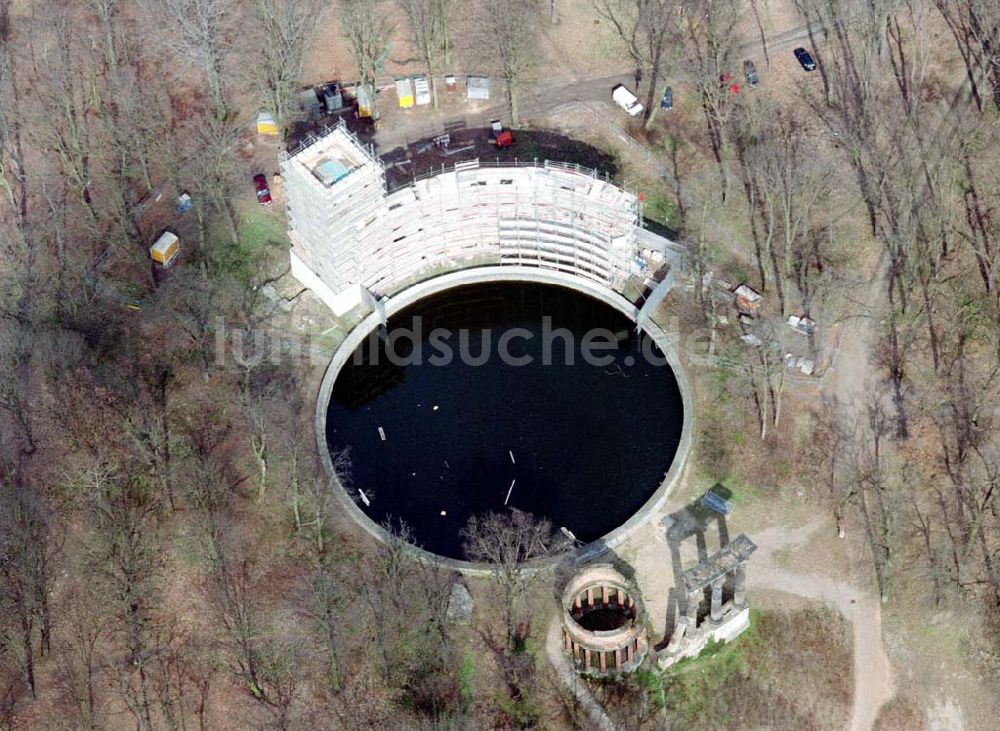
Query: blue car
x,y
805,59
667,102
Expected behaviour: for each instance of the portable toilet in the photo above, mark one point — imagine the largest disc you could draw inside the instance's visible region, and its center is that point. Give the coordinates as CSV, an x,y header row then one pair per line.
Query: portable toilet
x,y
165,249
404,90
364,101
266,125
309,101
333,99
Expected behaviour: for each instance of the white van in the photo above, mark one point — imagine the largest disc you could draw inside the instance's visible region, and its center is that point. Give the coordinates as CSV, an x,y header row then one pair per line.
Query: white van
x,y
626,100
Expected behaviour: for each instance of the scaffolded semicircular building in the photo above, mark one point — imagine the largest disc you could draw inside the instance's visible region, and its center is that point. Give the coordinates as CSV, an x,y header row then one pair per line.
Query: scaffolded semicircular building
x,y
353,240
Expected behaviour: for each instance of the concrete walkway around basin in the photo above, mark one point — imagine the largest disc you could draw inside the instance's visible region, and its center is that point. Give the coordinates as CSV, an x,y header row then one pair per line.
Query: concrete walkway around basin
x,y
573,682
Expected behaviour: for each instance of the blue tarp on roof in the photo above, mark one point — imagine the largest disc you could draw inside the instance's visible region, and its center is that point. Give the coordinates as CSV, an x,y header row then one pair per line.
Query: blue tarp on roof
x,y
332,171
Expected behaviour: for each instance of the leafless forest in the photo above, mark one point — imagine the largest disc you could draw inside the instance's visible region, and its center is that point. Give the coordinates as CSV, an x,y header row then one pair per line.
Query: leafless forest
x,y
170,553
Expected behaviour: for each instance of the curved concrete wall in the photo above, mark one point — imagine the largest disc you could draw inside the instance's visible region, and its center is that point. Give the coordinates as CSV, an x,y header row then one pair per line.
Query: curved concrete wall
x,y
464,277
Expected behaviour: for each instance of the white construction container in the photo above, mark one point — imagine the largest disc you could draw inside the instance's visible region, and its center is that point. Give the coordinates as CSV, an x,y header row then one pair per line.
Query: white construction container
x,y
477,87
422,89
404,90
626,100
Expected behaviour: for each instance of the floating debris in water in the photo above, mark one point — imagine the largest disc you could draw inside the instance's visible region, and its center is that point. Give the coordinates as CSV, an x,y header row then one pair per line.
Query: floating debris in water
x,y
509,491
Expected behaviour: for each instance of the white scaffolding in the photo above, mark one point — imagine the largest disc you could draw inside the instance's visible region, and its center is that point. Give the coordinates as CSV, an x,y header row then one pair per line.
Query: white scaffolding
x,y
350,232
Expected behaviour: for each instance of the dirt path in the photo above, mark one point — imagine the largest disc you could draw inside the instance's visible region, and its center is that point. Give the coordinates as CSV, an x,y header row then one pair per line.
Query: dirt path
x,y
873,684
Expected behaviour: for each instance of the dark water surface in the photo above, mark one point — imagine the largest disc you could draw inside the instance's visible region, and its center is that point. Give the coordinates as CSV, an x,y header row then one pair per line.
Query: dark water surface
x,y
590,443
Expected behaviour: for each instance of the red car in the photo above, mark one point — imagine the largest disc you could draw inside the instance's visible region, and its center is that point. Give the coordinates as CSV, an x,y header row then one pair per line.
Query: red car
x,y
263,192
725,79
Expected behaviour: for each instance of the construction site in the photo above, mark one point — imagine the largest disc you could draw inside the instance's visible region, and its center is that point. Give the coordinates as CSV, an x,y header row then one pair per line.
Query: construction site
x,y
354,242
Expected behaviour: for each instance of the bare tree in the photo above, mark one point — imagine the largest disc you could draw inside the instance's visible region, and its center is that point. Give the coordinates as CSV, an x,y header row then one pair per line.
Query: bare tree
x,y
25,575
198,36
132,117
648,28
761,375
13,174
508,542
709,29
63,93
285,29
78,659
123,551
878,495
785,188
428,21
510,31
366,27
975,26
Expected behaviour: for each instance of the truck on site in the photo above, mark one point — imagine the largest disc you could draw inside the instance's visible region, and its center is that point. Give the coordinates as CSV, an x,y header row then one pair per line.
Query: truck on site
x,y
499,136
626,100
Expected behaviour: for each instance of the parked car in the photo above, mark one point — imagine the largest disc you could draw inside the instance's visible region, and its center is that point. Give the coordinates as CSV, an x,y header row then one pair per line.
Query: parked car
x,y
626,100
667,102
805,59
750,73
263,192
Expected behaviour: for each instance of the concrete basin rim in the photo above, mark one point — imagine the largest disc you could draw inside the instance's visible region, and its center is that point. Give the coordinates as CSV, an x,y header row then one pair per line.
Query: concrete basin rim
x,y
508,273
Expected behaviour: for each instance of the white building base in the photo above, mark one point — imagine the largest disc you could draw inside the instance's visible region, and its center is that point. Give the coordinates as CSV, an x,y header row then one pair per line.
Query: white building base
x,y
340,302
733,624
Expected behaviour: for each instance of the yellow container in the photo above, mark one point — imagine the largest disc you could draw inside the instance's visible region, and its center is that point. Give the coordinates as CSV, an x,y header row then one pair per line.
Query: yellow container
x,y
364,102
266,125
165,249
404,90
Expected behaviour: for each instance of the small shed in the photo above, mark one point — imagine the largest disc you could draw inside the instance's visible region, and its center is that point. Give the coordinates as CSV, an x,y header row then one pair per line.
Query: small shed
x,y
747,299
165,249
477,87
266,125
404,91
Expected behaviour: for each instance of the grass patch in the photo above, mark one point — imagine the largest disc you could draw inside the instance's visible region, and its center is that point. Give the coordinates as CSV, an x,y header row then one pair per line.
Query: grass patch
x,y
692,685
788,670
259,234
465,682
661,208
740,494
